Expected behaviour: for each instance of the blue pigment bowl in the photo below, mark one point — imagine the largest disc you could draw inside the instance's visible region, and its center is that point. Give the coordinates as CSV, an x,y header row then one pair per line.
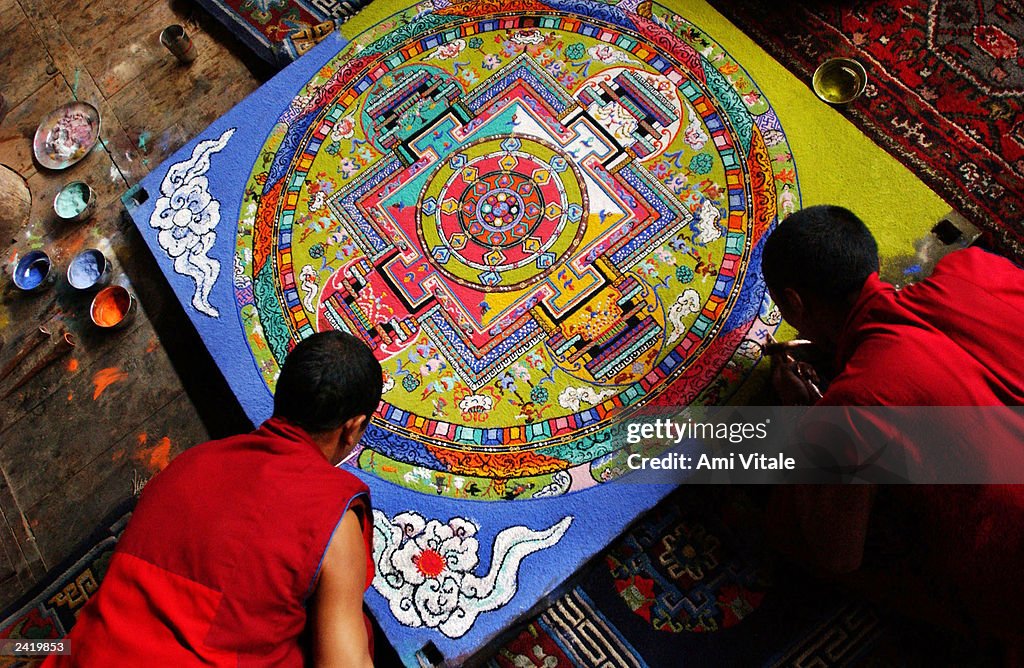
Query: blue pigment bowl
x,y
32,271
89,269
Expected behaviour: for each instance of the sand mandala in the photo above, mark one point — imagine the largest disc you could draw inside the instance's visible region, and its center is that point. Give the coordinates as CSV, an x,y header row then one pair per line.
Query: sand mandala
x,y
542,220
544,217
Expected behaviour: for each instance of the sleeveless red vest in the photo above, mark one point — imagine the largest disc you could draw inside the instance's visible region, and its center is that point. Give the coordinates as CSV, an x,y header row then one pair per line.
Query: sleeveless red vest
x,y
220,557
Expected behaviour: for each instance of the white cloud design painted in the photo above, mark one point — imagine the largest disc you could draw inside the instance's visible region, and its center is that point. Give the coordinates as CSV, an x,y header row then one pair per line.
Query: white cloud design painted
x,y
186,216
425,568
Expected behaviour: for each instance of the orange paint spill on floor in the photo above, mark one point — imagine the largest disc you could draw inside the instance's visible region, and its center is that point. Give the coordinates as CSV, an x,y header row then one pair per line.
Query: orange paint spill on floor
x,y
141,438
117,456
153,343
157,457
104,378
71,395
73,365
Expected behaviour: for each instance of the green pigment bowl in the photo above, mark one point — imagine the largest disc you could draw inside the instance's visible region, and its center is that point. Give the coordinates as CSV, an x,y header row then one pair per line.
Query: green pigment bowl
x,y
75,202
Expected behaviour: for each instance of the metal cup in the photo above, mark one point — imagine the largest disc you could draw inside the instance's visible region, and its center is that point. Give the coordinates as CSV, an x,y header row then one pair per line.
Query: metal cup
x,y
67,191
839,80
113,307
89,269
179,43
32,272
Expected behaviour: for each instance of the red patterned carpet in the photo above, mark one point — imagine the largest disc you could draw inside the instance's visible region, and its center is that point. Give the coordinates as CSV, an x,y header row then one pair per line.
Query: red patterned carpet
x,y
945,93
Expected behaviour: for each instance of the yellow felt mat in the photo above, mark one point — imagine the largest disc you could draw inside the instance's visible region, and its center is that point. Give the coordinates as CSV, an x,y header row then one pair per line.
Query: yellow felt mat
x,y
836,162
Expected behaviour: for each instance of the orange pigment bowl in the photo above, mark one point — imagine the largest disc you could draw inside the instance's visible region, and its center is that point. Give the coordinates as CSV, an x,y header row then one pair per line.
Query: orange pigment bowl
x,y
112,308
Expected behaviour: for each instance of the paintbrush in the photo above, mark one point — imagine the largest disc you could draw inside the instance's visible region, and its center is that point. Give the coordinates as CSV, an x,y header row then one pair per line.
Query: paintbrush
x,y
41,334
803,370
772,347
776,347
65,344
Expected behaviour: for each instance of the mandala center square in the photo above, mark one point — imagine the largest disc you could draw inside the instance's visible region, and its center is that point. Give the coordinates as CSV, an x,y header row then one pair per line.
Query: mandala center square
x,y
501,212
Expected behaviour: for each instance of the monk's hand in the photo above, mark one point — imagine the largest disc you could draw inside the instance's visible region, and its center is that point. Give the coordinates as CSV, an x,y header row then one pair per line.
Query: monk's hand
x,y
788,386
796,383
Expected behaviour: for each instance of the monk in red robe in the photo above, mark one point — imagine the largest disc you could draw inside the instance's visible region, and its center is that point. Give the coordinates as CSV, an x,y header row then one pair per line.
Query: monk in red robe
x,y
253,550
954,339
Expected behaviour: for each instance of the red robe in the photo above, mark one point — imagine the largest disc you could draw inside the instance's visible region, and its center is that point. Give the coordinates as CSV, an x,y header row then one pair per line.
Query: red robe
x,y
220,557
955,339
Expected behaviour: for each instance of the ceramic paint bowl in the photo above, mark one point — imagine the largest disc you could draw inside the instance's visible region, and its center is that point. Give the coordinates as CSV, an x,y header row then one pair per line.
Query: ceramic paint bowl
x,y
839,80
75,202
32,273
113,307
89,269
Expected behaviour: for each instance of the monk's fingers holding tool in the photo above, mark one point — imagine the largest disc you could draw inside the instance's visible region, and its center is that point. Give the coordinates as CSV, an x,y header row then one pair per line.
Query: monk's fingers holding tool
x,y
809,376
807,372
791,388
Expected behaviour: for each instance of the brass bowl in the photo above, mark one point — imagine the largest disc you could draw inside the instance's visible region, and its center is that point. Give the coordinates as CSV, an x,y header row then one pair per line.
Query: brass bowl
x,y
839,80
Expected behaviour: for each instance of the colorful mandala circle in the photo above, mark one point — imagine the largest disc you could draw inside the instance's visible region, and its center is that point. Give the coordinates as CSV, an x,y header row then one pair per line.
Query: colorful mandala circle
x,y
542,216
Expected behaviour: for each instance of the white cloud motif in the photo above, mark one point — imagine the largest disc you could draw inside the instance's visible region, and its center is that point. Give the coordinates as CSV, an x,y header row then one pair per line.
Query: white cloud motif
x,y
345,128
186,216
450,50
694,135
708,229
425,569
560,483
239,278
476,403
417,474
527,37
608,54
309,285
317,201
571,398
686,304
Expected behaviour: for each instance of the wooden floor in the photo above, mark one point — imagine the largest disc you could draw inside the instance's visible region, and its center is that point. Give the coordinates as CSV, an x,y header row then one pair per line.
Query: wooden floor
x,y
88,431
